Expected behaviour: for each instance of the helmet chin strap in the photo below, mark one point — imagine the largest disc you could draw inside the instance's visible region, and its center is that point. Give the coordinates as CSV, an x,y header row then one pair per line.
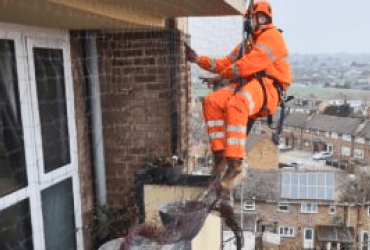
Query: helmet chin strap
x,y
259,25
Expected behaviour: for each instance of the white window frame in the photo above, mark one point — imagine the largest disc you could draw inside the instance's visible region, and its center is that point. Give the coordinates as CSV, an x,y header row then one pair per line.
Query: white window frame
x,y
283,204
360,140
25,38
362,241
304,207
249,207
327,134
308,244
332,207
330,146
334,135
368,210
346,137
358,153
290,229
345,151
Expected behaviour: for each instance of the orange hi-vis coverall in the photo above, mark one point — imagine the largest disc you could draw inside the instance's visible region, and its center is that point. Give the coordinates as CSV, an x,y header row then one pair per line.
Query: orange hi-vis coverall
x,y
226,113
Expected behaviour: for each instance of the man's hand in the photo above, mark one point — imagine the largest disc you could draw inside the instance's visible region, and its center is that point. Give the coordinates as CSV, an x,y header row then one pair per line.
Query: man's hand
x,y
191,55
211,81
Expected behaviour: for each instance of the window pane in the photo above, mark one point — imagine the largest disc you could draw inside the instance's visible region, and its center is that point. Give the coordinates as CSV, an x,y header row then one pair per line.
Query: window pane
x,y
13,174
308,235
15,227
311,193
52,105
286,178
321,179
329,194
329,179
311,179
303,192
321,193
295,192
59,218
294,179
302,179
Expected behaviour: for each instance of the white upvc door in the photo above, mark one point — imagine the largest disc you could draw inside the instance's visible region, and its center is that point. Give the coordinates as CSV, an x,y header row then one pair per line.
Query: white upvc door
x,y
308,238
51,195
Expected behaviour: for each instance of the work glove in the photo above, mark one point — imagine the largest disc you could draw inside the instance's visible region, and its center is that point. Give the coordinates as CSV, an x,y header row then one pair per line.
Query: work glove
x,y
191,55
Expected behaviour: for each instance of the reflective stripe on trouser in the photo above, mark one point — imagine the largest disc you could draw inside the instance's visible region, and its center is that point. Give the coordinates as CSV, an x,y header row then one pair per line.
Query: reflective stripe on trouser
x,y
214,110
245,103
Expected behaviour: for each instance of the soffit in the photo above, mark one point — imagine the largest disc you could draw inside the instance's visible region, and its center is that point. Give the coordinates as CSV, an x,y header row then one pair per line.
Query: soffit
x,y
109,14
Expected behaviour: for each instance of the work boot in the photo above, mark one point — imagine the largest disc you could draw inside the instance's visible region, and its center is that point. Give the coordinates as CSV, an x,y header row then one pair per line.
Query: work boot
x,y
219,164
234,174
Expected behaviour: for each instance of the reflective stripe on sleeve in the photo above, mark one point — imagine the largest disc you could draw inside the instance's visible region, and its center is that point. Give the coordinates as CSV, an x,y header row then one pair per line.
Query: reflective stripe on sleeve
x,y
215,123
251,103
235,141
216,135
236,128
235,71
267,50
212,67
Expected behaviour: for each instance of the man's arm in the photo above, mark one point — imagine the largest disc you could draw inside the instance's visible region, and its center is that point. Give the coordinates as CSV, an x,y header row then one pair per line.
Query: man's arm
x,y
251,63
214,65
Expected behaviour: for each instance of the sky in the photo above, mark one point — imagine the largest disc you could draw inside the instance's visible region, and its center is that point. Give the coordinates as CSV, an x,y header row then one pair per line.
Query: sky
x,y
310,27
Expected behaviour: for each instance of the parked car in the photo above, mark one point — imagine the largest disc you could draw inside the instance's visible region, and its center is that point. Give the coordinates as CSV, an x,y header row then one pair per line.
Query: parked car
x,y
322,155
334,162
296,165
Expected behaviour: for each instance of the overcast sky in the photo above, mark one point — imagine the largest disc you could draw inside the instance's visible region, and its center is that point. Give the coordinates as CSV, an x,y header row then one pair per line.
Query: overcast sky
x,y
315,26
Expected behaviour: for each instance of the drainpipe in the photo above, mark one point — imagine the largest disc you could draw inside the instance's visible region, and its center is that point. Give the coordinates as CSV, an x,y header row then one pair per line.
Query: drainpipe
x,y
96,119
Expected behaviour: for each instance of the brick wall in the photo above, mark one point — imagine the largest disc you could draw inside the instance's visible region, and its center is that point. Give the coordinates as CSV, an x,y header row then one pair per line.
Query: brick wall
x,y
137,76
294,218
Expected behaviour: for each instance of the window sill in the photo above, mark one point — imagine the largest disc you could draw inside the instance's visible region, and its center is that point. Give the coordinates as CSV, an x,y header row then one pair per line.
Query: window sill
x,y
283,211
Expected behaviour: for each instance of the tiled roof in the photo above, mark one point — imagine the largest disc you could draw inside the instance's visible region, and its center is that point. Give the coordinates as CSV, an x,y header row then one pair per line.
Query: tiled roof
x,y
341,125
296,119
365,131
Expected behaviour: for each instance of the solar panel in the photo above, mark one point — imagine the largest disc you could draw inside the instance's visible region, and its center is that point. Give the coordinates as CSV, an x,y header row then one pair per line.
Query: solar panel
x,y
307,186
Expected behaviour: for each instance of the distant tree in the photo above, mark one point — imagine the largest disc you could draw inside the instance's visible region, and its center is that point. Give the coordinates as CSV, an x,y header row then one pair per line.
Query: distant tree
x,y
344,110
198,126
262,185
356,190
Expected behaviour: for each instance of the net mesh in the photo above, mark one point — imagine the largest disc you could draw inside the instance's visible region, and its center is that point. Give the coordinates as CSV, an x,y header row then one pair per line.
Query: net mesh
x,y
93,92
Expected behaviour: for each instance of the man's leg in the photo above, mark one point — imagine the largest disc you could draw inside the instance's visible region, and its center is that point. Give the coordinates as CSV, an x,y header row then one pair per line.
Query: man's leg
x,y
214,110
245,103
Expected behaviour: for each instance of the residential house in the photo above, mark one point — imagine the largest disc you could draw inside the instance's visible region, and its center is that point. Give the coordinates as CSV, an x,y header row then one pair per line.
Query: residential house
x,y
318,102
305,103
347,138
88,89
308,210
